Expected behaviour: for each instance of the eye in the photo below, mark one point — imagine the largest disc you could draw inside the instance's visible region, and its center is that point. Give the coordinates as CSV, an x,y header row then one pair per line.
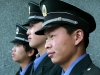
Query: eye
x,y
52,36
31,25
46,38
17,45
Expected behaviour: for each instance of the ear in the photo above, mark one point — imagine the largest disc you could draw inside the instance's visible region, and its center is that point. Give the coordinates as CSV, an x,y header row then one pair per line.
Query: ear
x,y
79,35
30,53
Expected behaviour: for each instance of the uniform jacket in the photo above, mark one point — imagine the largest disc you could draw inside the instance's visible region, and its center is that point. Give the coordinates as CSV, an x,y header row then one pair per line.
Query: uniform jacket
x,y
85,67
46,67
27,71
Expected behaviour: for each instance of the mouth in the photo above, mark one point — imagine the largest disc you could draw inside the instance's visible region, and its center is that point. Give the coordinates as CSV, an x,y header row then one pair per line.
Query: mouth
x,y
29,38
50,54
13,54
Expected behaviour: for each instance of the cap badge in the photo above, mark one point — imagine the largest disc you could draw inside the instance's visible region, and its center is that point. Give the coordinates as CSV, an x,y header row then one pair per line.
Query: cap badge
x,y
29,9
17,30
44,10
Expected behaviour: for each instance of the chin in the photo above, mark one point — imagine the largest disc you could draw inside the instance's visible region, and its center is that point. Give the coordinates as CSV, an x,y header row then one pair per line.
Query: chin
x,y
14,60
54,61
30,44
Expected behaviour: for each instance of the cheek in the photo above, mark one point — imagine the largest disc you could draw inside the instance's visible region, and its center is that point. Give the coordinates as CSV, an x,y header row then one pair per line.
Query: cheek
x,y
33,36
21,54
59,42
20,50
61,45
57,45
32,31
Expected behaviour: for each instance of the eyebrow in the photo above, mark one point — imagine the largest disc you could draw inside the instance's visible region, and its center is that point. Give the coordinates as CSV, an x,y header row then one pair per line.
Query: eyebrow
x,y
46,32
49,30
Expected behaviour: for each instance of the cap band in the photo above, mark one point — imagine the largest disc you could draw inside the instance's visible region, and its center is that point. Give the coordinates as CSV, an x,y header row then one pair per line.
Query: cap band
x,y
60,19
21,39
36,17
55,17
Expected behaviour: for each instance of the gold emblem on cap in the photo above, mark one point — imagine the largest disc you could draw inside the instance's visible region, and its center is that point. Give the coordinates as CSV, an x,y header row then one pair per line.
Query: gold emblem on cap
x,y
29,9
44,10
17,30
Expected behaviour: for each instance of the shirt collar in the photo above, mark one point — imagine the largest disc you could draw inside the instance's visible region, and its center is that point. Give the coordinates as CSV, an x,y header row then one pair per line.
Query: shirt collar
x,y
22,72
67,72
38,60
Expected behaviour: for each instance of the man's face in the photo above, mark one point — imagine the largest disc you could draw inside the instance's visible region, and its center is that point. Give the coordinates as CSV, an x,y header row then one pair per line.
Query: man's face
x,y
18,53
35,41
59,44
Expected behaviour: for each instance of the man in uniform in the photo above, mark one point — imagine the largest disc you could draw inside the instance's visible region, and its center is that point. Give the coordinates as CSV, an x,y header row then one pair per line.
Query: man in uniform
x,y
22,52
67,30
42,64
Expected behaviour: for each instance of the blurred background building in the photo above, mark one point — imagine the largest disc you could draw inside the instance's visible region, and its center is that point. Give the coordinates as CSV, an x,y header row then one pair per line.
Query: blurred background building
x,y
16,11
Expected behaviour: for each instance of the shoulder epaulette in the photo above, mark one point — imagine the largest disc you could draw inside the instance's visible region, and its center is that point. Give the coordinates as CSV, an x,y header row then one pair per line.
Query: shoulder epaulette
x,y
91,70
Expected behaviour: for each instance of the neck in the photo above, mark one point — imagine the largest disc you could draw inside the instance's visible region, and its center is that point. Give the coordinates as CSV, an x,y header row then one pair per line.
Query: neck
x,y
24,64
79,52
42,49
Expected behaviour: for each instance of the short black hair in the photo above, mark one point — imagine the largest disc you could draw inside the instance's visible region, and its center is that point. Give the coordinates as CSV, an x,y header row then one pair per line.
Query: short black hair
x,y
70,29
28,48
34,55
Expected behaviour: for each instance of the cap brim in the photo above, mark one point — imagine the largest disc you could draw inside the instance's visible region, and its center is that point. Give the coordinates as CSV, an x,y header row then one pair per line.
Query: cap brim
x,y
32,21
41,31
26,24
17,41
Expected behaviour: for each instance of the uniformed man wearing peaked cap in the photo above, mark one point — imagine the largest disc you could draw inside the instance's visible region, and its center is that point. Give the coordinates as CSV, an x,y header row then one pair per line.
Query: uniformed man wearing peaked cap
x,y
42,64
62,12
21,35
35,14
67,30
22,52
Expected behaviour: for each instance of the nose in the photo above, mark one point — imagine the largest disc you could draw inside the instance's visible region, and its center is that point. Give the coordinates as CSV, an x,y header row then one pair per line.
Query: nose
x,y
28,32
13,49
48,44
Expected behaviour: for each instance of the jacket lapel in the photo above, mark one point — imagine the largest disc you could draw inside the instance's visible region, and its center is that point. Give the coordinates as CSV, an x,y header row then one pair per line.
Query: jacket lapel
x,y
28,71
81,65
43,66
18,72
